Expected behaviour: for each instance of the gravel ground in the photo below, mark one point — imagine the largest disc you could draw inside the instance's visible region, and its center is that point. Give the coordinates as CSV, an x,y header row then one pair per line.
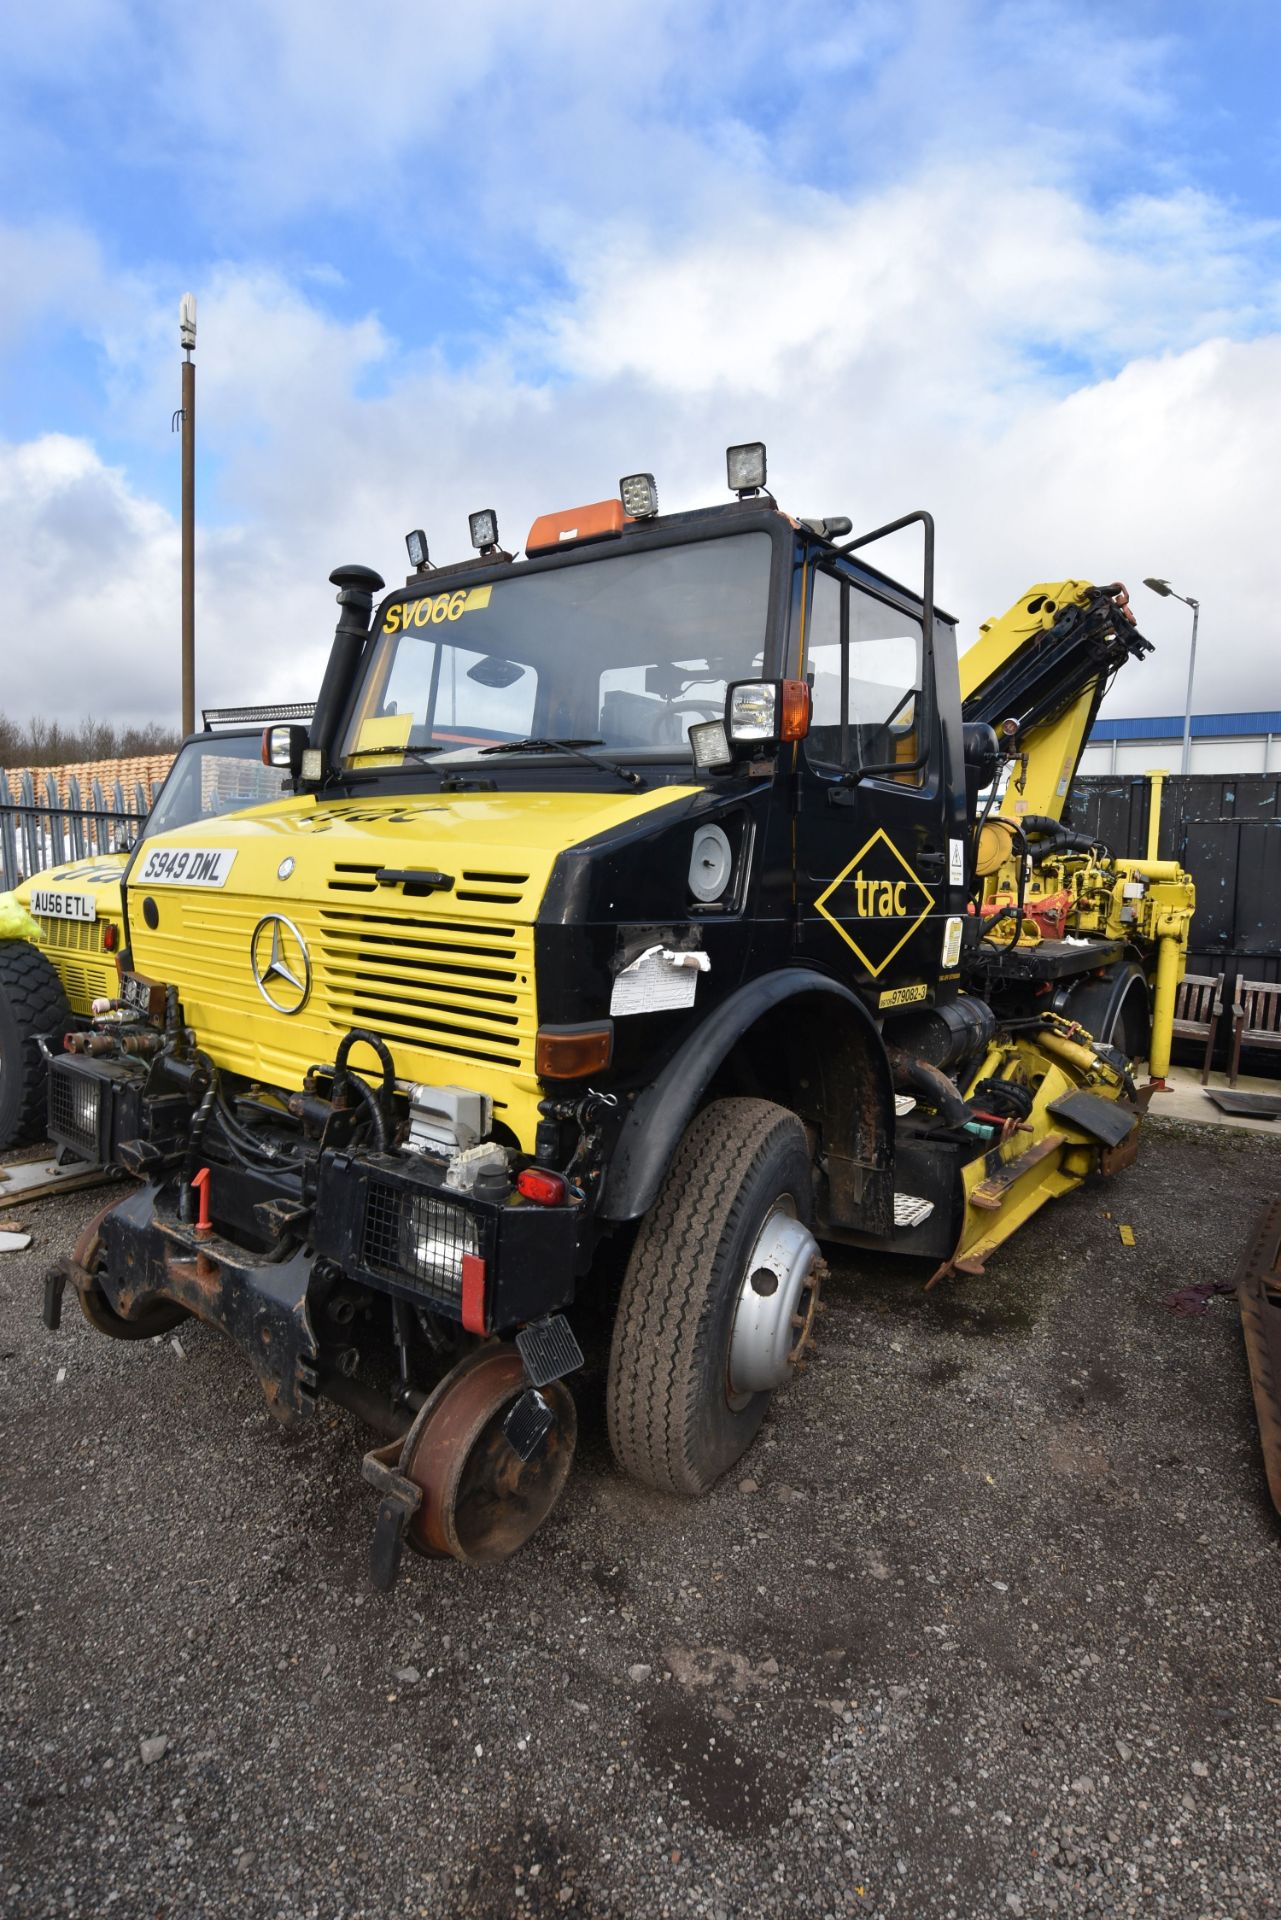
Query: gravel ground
x,y
988,1627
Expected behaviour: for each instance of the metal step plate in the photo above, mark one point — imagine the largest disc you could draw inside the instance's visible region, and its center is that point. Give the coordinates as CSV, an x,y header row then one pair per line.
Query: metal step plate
x,y
910,1210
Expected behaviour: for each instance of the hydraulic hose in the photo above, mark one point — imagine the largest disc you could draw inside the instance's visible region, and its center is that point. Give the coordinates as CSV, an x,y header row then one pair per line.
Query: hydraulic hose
x,y
365,1094
1052,836
192,1165
344,1077
931,1083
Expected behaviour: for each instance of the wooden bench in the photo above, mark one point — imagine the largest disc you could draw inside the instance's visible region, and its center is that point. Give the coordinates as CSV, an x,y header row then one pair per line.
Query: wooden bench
x,y
1256,1019
1197,1006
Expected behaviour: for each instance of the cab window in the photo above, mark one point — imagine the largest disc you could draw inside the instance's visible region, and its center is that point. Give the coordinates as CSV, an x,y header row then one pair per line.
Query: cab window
x,y
622,649
863,662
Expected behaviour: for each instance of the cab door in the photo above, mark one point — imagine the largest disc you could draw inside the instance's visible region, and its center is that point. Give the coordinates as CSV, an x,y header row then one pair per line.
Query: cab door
x,y
876,869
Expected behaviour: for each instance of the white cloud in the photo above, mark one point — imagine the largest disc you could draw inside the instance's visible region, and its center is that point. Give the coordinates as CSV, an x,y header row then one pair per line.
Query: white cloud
x,y
964,278
93,568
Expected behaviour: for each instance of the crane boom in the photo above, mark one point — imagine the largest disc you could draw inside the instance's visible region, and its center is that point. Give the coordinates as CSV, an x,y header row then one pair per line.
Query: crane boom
x,y
1037,676
1046,665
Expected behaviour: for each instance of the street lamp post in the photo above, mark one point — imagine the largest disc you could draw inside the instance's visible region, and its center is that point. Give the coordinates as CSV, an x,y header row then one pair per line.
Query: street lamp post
x,y
1167,592
187,336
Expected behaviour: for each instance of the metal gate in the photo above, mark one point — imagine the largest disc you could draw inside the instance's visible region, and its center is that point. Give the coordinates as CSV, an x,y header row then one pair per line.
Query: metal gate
x,y
39,829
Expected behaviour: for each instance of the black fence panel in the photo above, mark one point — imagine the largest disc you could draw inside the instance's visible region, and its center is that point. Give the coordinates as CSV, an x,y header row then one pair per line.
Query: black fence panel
x,y
1226,830
36,834
1258,903
1210,851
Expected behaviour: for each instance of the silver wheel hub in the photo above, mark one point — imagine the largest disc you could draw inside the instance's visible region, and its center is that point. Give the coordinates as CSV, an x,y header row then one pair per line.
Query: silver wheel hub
x,y
776,1303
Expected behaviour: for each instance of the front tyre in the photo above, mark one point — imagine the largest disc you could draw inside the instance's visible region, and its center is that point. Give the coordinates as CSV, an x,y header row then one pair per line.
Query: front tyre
x,y
32,1003
718,1299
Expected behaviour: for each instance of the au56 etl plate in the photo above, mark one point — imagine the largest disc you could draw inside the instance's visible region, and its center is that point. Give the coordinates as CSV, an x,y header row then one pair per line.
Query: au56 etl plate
x,y
52,905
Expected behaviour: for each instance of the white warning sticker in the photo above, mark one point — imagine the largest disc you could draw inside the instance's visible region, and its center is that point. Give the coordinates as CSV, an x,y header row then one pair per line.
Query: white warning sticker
x,y
659,980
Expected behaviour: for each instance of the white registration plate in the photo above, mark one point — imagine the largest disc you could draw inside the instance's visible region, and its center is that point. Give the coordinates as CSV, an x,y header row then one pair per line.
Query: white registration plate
x,y
62,906
184,867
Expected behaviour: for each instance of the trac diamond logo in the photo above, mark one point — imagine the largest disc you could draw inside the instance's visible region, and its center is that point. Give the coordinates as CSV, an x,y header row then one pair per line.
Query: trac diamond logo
x,y
876,903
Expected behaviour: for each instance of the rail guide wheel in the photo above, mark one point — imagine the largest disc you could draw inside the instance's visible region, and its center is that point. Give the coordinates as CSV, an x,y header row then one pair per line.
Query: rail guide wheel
x,y
480,1469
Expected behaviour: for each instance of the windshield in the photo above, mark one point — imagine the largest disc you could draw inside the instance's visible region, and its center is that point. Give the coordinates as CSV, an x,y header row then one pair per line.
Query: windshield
x,y
220,774
626,651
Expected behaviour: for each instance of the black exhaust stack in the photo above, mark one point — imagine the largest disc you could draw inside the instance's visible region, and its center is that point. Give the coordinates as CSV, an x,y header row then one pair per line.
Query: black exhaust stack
x,y
356,589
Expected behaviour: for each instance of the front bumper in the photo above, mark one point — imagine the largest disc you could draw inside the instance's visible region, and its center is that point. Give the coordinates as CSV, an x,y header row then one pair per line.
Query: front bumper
x,y
267,1307
281,1242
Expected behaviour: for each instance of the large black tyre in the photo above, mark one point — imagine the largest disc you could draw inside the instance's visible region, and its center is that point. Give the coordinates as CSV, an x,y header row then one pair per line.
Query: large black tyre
x,y
31,1002
672,1422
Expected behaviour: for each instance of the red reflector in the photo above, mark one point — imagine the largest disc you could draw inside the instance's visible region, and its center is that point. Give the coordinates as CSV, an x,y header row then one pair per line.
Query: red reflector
x,y
473,1293
110,938
548,1189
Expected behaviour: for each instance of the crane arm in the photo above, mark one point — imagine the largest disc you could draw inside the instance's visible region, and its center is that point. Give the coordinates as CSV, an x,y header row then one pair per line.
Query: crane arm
x,y
1045,665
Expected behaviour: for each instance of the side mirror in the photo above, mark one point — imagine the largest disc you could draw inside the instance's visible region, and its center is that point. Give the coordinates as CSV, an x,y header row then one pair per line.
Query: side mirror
x,y
283,746
764,713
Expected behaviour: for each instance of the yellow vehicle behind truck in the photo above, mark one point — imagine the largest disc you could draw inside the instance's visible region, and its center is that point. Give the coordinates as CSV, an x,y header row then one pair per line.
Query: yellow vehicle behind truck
x,y
61,930
648,906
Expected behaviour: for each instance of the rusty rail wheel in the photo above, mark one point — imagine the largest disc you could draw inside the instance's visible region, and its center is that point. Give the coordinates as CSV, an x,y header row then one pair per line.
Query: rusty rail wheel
x,y
480,1500
160,1316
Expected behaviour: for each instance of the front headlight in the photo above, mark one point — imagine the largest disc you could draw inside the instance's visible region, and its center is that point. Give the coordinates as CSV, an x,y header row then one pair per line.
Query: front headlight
x,y
75,1106
435,1236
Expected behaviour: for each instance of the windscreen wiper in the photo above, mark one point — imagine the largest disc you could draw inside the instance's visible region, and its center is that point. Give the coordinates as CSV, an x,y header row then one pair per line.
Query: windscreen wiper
x,y
406,753
574,748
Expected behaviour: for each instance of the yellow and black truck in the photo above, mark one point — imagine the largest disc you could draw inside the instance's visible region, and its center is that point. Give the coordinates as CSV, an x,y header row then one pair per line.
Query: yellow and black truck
x,y
644,915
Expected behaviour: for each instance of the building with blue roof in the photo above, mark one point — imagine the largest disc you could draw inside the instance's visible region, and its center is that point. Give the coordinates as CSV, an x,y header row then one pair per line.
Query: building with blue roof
x,y
1222,743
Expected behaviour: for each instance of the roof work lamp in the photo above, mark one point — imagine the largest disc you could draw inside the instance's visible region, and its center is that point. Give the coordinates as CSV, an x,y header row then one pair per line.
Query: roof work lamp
x,y
639,495
745,467
483,527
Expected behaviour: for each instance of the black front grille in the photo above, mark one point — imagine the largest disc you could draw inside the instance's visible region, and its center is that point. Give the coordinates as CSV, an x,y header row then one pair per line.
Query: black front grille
x,y
74,1103
419,1237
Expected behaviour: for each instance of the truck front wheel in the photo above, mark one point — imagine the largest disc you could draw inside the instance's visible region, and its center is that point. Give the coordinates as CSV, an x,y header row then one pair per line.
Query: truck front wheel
x,y
31,1002
718,1299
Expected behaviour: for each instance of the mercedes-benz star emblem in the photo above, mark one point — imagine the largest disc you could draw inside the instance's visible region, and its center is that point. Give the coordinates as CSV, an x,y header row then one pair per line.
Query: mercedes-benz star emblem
x,y
281,963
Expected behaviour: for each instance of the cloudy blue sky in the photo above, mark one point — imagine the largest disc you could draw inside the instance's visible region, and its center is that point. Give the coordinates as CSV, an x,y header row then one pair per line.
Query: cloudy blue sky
x,y
1015,262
